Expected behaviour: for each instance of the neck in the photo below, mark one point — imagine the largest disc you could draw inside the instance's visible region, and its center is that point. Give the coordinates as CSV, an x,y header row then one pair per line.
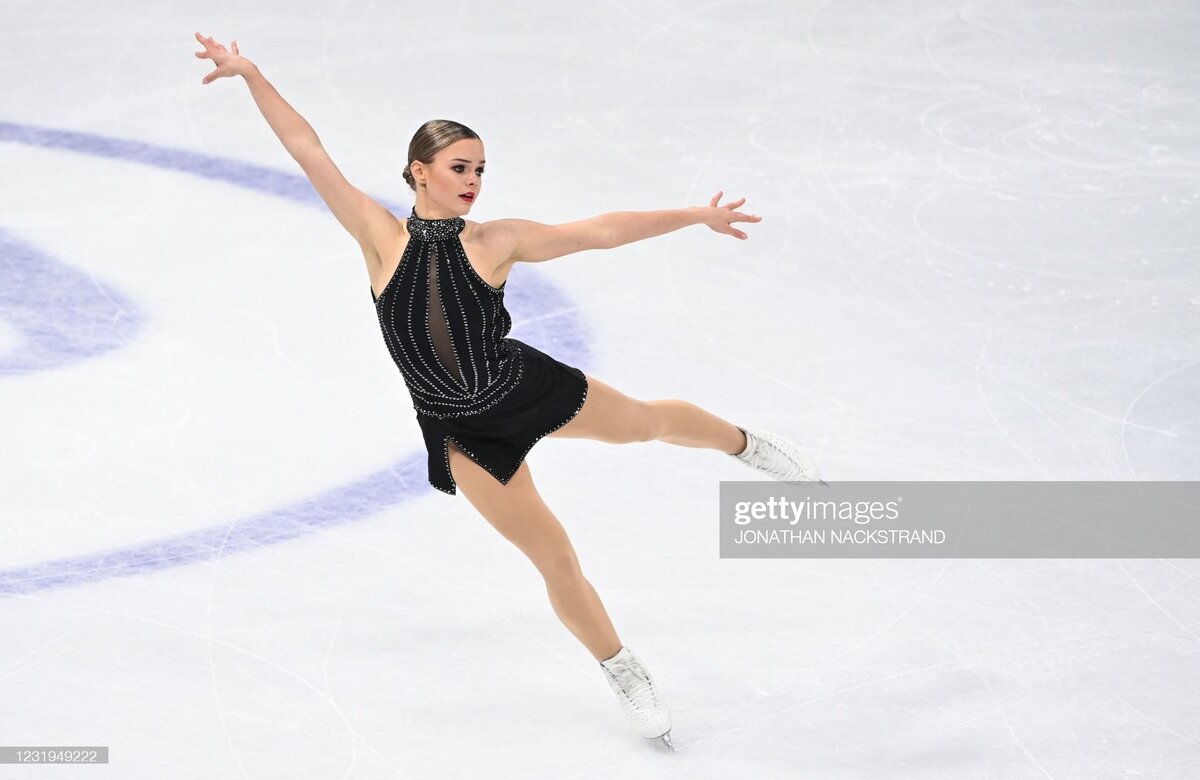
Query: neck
x,y
427,211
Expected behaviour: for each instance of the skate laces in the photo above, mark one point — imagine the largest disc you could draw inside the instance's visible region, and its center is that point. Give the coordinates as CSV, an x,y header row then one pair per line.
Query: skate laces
x,y
784,457
776,460
634,682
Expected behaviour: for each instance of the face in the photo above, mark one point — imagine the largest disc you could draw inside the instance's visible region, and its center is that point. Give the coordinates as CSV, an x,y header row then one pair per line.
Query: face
x,y
455,171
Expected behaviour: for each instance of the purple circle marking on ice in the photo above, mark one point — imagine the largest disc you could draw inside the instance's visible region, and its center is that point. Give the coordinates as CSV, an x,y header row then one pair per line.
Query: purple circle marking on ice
x,y
63,315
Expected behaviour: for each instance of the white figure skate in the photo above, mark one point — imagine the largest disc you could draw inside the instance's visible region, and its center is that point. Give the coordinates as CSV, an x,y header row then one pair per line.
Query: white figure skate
x,y
634,686
777,457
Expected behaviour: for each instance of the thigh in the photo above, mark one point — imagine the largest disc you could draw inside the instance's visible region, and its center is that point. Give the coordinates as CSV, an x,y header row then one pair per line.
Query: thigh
x,y
517,511
611,416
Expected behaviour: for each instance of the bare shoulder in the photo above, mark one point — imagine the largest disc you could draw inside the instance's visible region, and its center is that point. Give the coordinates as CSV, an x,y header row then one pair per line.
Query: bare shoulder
x,y
491,249
384,251
498,237
384,232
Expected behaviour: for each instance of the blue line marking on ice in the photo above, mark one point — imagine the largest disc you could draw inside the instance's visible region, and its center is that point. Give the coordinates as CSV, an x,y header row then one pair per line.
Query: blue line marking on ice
x,y
60,313
50,304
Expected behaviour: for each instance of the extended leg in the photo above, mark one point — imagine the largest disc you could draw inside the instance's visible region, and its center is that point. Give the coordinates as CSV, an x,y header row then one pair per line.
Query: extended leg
x,y
685,424
517,511
611,416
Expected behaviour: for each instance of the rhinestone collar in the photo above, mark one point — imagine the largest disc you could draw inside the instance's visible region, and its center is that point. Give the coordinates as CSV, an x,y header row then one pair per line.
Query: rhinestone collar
x,y
434,229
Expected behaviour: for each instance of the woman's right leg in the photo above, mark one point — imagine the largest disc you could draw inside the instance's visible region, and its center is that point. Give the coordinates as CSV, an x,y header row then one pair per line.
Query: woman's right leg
x,y
517,511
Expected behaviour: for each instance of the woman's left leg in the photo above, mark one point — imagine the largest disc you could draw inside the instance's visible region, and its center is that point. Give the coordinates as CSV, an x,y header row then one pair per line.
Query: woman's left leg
x,y
611,416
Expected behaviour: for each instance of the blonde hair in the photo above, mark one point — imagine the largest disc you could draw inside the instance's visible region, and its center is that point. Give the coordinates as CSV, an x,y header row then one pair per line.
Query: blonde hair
x,y
430,138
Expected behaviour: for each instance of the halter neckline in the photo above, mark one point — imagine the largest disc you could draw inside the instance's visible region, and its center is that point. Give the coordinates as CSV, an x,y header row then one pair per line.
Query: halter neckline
x,y
434,229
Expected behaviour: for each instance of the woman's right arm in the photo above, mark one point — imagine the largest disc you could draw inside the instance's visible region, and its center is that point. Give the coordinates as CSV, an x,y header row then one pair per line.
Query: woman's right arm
x,y
370,223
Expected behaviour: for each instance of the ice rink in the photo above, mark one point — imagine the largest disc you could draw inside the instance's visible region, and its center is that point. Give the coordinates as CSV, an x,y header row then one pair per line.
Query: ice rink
x,y
978,260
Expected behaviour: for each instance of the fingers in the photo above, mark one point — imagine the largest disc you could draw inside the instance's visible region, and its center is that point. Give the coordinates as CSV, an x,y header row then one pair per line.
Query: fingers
x,y
731,230
211,49
716,199
744,218
734,216
209,42
740,217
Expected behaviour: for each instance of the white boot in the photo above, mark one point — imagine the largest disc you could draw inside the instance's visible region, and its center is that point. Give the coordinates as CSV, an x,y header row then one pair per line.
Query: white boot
x,y
639,697
777,457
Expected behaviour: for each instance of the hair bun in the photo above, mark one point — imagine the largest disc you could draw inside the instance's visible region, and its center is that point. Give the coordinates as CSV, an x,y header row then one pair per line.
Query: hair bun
x,y
431,138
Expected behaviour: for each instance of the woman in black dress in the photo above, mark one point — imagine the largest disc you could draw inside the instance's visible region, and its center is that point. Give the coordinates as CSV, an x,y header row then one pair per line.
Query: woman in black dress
x,y
482,399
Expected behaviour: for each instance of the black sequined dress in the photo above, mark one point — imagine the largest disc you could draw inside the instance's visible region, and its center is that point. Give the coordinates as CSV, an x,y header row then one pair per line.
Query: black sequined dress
x,y
446,329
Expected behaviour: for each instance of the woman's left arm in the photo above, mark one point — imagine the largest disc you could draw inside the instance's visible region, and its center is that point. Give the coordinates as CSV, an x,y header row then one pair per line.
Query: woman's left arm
x,y
625,227
525,241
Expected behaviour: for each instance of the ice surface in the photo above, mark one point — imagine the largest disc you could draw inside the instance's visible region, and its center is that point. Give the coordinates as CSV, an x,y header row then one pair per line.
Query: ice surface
x,y
977,260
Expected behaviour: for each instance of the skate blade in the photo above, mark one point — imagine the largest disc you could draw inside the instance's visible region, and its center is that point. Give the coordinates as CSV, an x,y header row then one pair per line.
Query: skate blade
x,y
665,739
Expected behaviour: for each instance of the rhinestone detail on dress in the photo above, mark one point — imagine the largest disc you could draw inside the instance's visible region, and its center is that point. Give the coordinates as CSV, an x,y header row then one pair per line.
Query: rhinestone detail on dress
x,y
446,331
504,479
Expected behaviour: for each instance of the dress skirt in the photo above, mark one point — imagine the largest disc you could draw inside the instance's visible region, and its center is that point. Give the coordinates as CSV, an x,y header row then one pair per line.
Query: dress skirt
x,y
549,395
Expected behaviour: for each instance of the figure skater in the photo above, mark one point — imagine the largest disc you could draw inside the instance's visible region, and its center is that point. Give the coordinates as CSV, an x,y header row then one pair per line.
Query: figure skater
x,y
483,400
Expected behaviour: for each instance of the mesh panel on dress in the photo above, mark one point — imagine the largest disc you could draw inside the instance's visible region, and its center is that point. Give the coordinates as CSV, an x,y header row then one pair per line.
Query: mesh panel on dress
x,y
438,328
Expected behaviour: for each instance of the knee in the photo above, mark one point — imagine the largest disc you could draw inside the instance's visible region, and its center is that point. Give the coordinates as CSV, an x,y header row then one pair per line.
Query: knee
x,y
559,567
649,422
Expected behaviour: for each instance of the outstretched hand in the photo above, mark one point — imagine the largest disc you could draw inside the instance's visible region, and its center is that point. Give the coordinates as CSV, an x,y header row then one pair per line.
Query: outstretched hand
x,y
228,63
721,218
